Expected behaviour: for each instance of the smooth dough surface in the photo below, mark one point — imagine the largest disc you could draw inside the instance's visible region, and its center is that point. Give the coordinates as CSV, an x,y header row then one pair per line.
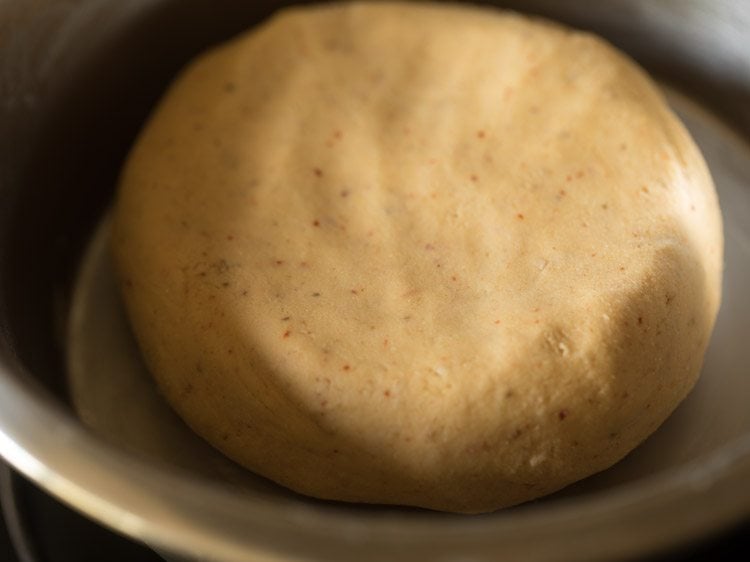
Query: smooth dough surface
x,y
415,254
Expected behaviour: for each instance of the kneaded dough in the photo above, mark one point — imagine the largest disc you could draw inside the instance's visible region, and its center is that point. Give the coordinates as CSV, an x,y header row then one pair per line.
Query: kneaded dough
x,y
419,254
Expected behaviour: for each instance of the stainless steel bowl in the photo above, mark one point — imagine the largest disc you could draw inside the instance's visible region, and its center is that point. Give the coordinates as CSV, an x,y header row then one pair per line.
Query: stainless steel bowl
x,y
77,79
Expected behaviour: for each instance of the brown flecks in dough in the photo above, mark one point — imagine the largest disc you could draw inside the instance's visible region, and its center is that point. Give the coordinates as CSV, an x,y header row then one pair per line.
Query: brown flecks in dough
x,y
244,293
225,284
385,343
230,87
187,389
569,177
129,283
562,193
286,318
510,393
481,134
387,393
614,435
623,146
454,278
346,367
318,172
198,368
230,237
605,206
580,174
429,247
622,268
323,403
224,436
315,295
519,216
344,193
497,322
517,433
230,351
668,298
644,189
474,178
640,320
316,223
562,414
279,262
286,334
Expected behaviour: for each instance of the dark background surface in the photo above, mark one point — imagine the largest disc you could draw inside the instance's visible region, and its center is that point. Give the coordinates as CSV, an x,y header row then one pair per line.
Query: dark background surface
x,y
58,534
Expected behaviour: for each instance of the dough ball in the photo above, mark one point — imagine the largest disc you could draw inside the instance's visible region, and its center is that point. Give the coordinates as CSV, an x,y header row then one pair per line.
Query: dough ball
x,y
419,254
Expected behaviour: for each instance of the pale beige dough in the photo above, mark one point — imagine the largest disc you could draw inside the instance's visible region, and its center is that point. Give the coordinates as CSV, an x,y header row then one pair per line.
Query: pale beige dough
x,y
415,254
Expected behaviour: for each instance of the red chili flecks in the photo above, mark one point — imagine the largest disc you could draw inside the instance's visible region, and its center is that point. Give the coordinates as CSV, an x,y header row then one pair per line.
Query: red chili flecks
x,y
519,216
316,222
562,414
287,334
318,172
346,367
